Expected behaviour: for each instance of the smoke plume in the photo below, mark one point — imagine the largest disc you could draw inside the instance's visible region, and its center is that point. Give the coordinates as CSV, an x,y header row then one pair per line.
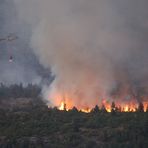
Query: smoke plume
x,y
95,49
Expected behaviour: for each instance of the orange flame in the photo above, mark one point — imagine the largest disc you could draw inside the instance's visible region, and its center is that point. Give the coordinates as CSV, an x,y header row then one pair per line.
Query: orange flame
x,y
62,106
88,110
130,107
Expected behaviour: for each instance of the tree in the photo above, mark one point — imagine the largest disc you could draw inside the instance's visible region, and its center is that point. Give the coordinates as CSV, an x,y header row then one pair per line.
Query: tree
x,y
147,108
74,110
113,108
95,109
103,109
140,107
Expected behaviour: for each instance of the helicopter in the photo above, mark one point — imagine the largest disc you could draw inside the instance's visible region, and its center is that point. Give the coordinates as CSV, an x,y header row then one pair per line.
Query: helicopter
x,y
11,37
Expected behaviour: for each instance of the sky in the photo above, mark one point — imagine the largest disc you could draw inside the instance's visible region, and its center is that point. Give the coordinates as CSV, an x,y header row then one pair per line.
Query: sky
x,y
92,48
25,67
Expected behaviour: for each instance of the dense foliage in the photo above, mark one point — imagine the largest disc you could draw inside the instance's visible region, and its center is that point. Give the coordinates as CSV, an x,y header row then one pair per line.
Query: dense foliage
x,y
39,127
28,123
18,90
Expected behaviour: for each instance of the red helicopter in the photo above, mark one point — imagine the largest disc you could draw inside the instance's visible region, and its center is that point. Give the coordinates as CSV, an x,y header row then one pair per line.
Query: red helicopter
x,y
11,37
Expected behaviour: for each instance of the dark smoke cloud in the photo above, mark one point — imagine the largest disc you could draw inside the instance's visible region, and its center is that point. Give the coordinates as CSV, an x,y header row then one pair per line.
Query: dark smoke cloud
x,y
94,48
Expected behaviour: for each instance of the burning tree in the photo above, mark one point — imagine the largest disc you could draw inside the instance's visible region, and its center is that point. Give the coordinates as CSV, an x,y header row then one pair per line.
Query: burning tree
x,y
140,107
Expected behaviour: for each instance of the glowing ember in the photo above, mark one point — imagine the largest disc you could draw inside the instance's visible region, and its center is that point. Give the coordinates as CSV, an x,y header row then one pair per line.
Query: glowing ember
x,y
126,108
86,110
106,105
108,109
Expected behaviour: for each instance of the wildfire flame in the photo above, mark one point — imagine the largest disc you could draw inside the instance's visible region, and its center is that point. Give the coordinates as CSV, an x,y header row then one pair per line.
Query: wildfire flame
x,y
88,110
131,107
62,106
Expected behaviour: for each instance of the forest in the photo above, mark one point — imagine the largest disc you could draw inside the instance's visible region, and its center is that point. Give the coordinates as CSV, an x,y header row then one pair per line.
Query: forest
x,y
29,123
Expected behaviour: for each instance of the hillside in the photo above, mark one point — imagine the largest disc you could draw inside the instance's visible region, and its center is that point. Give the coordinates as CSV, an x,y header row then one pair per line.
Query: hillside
x,y
36,126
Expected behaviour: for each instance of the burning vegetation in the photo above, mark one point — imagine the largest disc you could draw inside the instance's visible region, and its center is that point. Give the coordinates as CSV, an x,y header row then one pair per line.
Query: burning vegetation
x,y
40,127
123,99
126,107
26,121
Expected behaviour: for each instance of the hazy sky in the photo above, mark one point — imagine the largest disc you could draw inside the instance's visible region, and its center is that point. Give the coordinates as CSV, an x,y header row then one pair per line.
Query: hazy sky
x,y
25,67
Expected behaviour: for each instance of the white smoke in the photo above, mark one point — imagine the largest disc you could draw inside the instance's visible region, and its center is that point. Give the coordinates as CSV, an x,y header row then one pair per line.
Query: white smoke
x,y
89,46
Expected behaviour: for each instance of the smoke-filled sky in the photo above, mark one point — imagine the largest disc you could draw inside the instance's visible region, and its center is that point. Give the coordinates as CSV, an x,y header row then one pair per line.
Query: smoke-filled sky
x,y
94,48
25,67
